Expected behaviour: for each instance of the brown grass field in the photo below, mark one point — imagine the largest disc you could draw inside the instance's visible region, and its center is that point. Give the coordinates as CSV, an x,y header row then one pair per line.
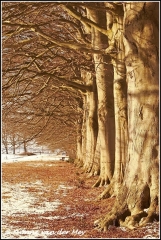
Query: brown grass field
x,y
53,199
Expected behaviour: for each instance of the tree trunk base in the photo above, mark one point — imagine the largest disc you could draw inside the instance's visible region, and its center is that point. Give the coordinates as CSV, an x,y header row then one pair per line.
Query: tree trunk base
x,y
121,216
108,192
101,182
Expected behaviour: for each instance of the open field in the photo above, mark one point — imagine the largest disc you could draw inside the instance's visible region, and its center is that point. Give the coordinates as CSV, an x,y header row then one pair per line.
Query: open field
x,y
53,199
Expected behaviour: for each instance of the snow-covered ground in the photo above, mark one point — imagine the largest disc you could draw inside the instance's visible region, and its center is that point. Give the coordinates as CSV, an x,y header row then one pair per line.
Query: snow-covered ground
x,y
19,201
46,157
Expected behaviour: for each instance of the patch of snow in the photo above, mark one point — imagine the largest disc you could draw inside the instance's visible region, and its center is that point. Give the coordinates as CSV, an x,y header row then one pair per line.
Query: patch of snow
x,y
123,229
149,237
78,215
64,217
62,189
19,200
7,158
61,186
67,208
146,209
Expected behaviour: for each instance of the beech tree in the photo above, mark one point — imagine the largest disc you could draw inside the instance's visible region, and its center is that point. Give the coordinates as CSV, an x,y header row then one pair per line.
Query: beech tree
x,y
106,59
140,187
5,140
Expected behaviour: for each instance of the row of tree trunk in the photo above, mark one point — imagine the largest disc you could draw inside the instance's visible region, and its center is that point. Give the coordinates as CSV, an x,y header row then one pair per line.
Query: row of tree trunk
x,y
118,139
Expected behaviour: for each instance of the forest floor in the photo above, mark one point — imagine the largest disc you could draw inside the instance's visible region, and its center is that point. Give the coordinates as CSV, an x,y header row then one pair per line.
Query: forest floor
x,y
53,199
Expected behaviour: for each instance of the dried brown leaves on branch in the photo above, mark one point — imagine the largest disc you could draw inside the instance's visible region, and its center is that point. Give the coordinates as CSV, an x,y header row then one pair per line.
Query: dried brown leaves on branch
x,y
41,80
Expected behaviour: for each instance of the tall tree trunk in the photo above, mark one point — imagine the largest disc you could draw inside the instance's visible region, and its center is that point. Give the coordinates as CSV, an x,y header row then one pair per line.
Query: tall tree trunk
x,y
79,159
116,50
6,148
5,143
140,188
104,81
143,102
13,143
84,130
96,161
14,148
25,146
90,123
5,138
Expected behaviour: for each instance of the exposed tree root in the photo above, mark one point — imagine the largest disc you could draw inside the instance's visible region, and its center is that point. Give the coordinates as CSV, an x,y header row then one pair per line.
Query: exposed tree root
x,y
132,222
87,168
95,171
97,183
128,211
78,163
121,216
152,213
112,218
101,182
108,192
